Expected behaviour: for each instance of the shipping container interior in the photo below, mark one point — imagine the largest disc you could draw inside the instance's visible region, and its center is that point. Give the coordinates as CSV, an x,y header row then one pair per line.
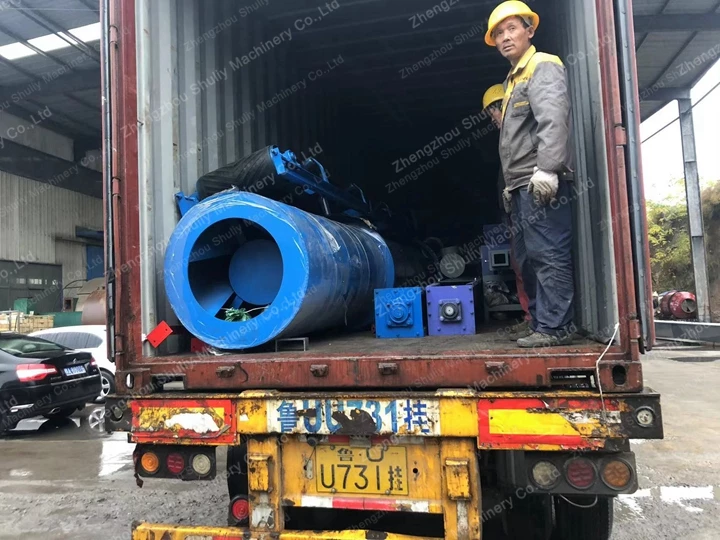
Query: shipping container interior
x,y
362,85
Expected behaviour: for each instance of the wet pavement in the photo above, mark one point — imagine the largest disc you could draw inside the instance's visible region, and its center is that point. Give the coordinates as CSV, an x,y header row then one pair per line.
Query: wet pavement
x,y
67,479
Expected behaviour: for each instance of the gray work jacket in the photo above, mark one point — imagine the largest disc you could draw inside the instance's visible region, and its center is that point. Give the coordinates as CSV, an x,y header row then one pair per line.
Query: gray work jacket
x,y
536,127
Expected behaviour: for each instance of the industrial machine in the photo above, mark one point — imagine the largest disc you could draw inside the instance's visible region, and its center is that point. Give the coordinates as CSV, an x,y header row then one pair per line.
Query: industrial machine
x,y
243,268
289,271
399,313
454,308
676,305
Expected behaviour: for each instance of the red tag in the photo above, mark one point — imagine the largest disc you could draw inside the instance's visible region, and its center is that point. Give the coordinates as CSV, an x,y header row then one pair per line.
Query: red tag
x,y
160,334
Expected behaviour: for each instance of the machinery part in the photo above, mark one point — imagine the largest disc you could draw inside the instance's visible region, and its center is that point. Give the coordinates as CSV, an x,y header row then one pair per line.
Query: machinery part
x,y
452,265
279,176
453,309
399,313
410,263
678,305
283,271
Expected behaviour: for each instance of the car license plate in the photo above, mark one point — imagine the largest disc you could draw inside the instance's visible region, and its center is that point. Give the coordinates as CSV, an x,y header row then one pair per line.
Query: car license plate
x,y
368,471
74,370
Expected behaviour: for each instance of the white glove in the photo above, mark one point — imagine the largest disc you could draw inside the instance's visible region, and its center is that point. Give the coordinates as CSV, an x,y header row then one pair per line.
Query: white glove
x,y
543,186
507,201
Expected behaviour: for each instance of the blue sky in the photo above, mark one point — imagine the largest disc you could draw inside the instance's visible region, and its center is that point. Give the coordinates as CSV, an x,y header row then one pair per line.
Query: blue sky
x,y
662,155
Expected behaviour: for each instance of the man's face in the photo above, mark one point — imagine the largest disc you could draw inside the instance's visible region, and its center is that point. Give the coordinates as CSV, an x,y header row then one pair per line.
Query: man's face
x,y
512,39
495,111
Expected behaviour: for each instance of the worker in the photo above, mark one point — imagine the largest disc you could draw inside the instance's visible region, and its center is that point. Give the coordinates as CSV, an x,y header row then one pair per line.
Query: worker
x,y
492,105
535,153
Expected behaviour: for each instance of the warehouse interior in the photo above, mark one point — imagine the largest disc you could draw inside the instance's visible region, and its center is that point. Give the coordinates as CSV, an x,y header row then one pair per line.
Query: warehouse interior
x,y
381,81
50,181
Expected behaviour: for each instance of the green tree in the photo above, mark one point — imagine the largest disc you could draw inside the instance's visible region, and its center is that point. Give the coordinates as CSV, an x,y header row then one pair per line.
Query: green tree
x,y
670,255
669,237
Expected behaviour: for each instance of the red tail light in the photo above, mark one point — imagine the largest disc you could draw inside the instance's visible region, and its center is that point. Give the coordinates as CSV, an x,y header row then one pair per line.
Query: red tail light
x,y
240,509
34,372
93,362
175,463
580,473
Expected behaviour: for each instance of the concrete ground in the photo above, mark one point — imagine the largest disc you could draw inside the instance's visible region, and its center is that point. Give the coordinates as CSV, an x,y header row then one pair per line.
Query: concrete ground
x,y
65,479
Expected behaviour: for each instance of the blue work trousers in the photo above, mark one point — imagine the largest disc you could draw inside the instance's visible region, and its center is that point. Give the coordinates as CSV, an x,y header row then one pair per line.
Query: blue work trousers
x,y
542,244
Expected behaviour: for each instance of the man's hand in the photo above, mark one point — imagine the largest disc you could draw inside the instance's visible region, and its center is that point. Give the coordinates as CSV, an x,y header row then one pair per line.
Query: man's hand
x,y
507,201
543,186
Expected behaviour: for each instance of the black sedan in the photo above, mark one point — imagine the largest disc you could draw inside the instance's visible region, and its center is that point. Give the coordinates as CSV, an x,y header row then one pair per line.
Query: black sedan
x,y
38,377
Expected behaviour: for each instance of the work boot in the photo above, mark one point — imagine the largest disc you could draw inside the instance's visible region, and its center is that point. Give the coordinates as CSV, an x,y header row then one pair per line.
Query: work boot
x,y
538,339
519,330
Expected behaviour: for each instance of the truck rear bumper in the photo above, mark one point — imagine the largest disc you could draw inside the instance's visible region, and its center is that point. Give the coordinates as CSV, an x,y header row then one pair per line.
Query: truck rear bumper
x,y
146,531
548,421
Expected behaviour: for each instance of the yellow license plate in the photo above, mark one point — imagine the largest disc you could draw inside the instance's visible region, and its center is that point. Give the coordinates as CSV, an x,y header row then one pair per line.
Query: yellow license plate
x,y
366,471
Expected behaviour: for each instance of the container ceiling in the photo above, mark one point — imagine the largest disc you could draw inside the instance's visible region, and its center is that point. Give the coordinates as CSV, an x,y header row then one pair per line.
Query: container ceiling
x,y
676,40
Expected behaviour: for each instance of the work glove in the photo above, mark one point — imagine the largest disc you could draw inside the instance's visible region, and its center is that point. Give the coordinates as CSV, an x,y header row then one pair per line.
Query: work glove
x,y
543,186
507,201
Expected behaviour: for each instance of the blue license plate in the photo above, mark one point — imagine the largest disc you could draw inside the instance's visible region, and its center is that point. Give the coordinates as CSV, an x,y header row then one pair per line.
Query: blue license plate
x,y
74,370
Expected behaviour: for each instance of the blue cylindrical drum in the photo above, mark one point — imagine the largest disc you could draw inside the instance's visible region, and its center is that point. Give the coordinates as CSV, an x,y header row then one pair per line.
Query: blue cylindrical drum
x,y
292,272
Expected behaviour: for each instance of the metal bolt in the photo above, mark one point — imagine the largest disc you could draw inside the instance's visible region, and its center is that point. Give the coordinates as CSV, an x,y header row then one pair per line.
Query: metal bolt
x,y
387,492
333,490
645,417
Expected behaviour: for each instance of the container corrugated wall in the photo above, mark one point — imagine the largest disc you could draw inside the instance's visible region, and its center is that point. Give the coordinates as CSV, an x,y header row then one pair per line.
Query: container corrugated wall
x,y
595,285
37,224
191,100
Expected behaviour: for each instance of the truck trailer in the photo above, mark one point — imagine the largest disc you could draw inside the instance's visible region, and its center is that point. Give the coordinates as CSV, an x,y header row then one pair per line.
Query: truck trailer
x,y
340,434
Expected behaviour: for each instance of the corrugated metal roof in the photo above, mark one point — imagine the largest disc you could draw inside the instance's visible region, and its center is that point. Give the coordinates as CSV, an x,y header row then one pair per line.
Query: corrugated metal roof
x,y
670,58
678,7
32,82
66,14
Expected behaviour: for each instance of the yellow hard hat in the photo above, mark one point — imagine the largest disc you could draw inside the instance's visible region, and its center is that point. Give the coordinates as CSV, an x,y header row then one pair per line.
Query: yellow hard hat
x,y
512,8
493,94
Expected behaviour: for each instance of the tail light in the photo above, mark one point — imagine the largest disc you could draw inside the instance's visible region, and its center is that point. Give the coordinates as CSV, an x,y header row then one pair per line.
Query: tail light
x,y
34,372
93,362
240,510
201,464
175,463
617,474
580,473
545,474
149,462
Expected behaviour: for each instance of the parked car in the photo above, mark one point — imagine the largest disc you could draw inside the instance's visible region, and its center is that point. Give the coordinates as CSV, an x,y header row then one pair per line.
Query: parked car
x,y
38,377
91,338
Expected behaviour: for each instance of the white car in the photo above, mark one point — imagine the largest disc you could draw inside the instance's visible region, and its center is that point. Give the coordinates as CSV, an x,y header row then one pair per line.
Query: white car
x,y
91,338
